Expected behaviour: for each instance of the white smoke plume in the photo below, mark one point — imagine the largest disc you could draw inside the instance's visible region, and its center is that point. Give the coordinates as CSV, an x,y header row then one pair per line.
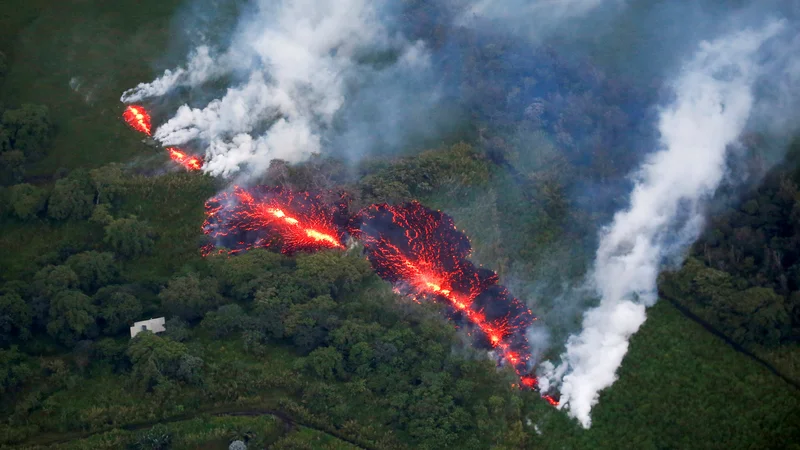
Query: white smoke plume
x,y
298,59
713,102
200,68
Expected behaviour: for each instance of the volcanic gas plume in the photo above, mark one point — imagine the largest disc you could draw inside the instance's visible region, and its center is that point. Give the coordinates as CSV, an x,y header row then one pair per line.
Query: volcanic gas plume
x,y
138,118
422,254
273,218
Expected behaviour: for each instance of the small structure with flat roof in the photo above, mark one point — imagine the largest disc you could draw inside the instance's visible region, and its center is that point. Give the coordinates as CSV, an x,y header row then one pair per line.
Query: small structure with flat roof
x,y
151,325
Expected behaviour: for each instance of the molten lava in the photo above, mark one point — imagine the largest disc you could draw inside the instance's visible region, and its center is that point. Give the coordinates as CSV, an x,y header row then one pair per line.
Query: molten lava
x,y
187,161
550,399
273,218
137,118
422,253
418,250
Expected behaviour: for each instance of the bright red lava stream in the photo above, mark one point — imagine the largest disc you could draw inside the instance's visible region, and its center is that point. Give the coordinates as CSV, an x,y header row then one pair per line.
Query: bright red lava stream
x,y
187,161
422,253
273,218
139,119
418,250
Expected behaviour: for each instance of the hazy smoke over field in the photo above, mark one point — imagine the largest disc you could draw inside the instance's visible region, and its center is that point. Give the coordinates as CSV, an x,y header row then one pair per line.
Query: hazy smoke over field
x,y
293,64
713,102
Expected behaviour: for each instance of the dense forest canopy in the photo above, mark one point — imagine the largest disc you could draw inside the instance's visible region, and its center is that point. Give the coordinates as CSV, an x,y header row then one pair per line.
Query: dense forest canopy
x,y
314,350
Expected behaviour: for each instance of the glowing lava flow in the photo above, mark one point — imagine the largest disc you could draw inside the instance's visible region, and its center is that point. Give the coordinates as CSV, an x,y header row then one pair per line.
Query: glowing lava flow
x,y
422,253
187,161
138,118
550,399
273,218
418,250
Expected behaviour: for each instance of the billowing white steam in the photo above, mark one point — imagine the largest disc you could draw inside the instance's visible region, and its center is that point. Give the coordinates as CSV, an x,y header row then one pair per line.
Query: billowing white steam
x,y
296,60
713,102
200,68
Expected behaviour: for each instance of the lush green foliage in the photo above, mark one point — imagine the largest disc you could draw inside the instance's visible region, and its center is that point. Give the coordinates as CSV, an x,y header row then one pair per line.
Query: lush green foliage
x,y
744,275
316,346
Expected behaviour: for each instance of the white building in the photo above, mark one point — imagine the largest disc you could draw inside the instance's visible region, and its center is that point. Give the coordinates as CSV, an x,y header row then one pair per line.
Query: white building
x,y
152,325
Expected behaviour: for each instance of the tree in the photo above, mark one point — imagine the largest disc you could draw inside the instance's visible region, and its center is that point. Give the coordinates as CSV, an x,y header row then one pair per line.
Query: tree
x,y
112,351
177,329
118,309
15,318
308,324
155,359
242,276
353,331
225,320
51,280
72,197
72,316
271,309
129,237
189,297
253,342
331,272
28,129
756,315
14,370
108,182
94,269
324,362
12,163
360,359
26,200
101,215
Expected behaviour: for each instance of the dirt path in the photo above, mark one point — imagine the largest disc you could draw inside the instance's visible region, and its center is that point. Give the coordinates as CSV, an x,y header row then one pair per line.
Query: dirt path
x,y
289,422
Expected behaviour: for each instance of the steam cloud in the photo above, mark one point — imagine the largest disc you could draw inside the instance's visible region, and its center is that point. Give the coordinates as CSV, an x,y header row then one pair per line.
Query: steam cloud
x,y
297,60
713,102
200,68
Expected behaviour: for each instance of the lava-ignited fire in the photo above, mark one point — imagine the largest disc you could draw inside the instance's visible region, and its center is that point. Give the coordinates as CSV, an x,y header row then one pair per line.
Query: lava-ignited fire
x,y
422,253
138,118
188,161
274,218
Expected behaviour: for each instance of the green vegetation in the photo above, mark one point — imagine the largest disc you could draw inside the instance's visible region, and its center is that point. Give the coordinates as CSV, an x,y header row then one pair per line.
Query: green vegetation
x,y
213,432
744,274
314,350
